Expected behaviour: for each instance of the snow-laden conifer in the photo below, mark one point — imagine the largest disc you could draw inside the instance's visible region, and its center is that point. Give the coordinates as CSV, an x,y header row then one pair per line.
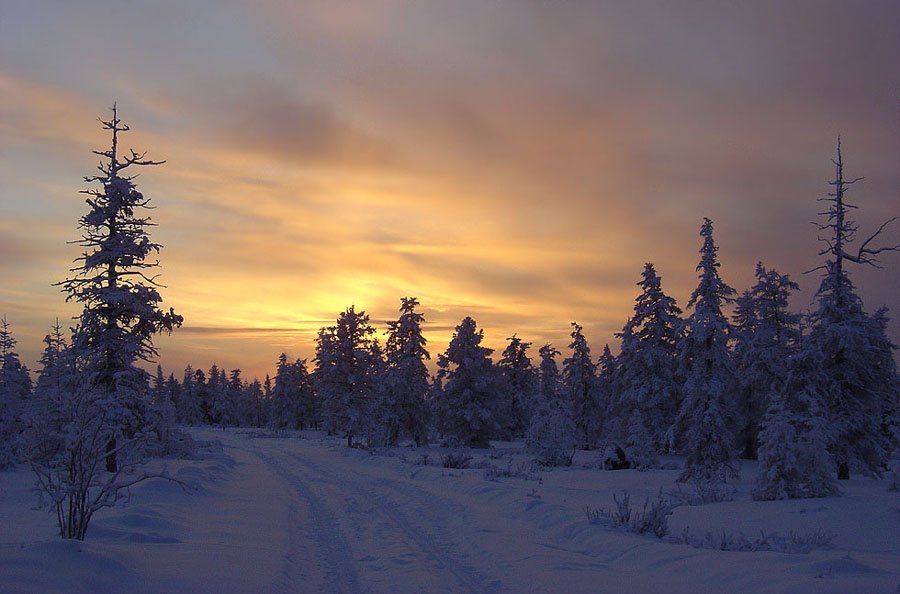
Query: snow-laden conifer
x,y
406,382
701,429
552,436
646,381
579,381
766,335
793,445
858,373
344,374
548,372
15,389
292,399
516,367
115,282
471,388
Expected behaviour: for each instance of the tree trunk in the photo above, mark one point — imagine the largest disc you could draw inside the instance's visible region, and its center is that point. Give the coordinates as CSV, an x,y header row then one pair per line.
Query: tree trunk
x,y
111,463
843,471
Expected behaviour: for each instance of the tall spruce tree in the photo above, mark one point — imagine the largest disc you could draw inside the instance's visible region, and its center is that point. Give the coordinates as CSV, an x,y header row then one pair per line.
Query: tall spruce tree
x,y
516,367
406,379
344,368
115,282
647,384
766,336
471,388
579,379
703,426
858,394
548,372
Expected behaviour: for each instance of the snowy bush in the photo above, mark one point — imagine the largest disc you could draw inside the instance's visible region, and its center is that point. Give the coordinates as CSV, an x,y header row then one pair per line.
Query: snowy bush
x,y
522,470
727,540
551,436
457,459
700,494
653,518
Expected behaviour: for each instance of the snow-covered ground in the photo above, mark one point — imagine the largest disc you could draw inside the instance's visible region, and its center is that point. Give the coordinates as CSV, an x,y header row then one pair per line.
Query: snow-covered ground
x,y
289,514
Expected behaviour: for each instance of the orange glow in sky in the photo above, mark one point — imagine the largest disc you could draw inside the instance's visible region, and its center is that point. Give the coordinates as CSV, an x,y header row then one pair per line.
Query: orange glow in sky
x,y
516,162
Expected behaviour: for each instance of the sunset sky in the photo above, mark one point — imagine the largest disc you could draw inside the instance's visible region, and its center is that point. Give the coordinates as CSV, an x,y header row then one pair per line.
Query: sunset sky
x,y
515,161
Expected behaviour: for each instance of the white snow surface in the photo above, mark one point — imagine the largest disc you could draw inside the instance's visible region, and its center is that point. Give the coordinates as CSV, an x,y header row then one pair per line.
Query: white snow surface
x,y
303,513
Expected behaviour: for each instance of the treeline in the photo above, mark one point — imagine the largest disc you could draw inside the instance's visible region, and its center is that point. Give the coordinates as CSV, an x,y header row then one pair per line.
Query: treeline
x,y
814,397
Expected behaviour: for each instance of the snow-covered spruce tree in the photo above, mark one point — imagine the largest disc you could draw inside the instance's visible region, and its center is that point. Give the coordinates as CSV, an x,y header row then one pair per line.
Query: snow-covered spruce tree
x,y
115,283
548,373
516,367
167,438
188,409
15,388
793,445
607,396
45,421
766,335
579,381
406,382
292,398
552,436
648,360
702,427
211,397
344,368
471,388
254,404
857,392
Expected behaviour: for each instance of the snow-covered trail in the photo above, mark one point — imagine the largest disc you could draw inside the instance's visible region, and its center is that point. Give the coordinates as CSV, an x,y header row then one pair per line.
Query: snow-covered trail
x,y
363,523
306,514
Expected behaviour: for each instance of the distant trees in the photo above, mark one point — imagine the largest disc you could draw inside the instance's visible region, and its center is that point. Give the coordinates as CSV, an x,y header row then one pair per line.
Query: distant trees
x,y
292,403
15,388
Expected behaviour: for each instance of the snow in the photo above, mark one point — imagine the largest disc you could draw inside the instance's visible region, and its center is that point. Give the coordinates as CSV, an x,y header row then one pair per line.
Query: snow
x,y
304,513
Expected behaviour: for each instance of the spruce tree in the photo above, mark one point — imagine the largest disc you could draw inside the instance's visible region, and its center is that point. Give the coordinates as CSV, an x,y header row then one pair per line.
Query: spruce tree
x,y
516,367
344,370
579,380
15,389
471,388
552,436
858,394
647,380
794,461
766,335
702,428
114,280
406,379
548,372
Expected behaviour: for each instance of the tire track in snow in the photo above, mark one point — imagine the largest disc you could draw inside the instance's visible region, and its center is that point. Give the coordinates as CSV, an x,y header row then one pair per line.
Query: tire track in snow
x,y
443,552
335,556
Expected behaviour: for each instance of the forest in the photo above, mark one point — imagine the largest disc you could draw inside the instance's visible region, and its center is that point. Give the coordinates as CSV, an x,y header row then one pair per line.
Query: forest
x,y
731,376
